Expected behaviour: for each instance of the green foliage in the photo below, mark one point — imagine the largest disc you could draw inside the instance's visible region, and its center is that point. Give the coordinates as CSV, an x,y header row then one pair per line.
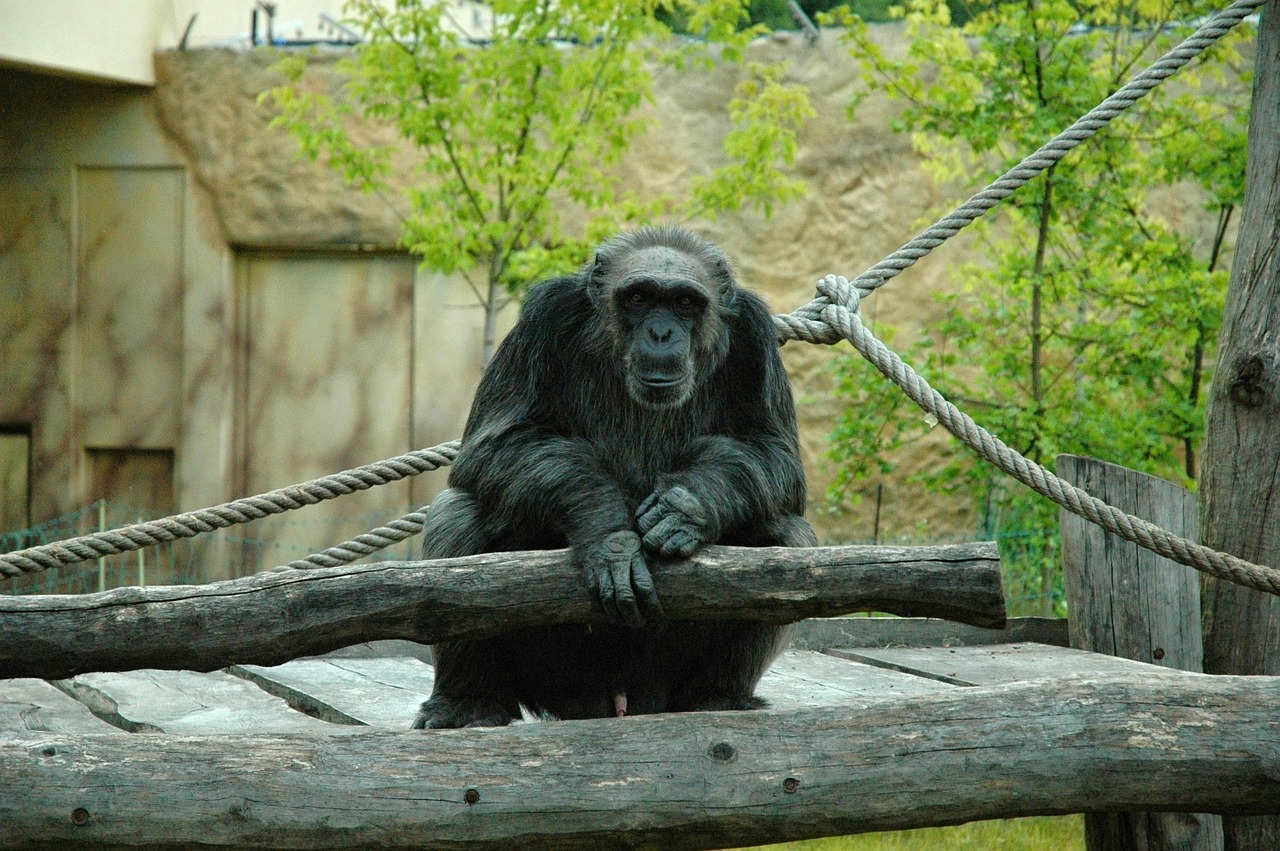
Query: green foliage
x,y
776,15
1089,322
513,133
1044,833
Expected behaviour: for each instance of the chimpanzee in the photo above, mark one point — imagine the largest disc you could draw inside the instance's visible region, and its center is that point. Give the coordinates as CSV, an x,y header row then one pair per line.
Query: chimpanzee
x,y
637,411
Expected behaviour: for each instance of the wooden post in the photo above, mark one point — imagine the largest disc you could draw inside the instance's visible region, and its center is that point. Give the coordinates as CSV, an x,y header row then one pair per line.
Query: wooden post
x,y
1239,495
1129,602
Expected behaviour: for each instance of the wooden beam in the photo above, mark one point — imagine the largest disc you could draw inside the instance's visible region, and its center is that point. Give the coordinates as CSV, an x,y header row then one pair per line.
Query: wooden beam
x,y
281,615
1166,741
1239,495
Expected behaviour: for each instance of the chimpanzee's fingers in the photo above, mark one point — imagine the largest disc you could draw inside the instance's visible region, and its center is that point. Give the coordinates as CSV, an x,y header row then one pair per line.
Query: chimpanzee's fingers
x,y
625,598
602,580
608,566
681,543
645,592
643,520
674,537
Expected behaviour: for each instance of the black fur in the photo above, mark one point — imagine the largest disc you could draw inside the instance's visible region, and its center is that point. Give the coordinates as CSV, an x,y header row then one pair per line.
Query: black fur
x,y
638,410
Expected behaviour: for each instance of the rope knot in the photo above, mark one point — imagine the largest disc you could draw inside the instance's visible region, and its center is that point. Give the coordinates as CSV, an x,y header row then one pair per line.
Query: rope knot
x,y
838,290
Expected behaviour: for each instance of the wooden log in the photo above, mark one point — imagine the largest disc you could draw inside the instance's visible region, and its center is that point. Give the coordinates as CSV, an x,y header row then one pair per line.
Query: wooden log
x,y
1131,603
274,617
696,780
1238,491
821,634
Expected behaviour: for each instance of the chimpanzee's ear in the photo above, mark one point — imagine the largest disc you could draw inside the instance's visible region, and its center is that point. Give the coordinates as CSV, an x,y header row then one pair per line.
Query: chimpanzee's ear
x,y
593,275
726,287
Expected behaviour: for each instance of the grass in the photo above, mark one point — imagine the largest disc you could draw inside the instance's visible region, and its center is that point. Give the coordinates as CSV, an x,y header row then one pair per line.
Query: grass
x,y
1062,833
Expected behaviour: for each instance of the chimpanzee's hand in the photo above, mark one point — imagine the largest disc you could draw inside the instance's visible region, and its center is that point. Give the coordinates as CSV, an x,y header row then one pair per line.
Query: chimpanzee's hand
x,y
620,580
674,523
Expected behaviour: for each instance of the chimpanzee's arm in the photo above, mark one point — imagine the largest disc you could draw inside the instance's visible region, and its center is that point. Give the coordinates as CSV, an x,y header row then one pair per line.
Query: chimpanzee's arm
x,y
526,477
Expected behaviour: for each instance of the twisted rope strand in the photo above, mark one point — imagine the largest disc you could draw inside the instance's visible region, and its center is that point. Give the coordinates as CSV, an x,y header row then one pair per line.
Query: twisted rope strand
x,y
137,536
806,324
846,321
367,544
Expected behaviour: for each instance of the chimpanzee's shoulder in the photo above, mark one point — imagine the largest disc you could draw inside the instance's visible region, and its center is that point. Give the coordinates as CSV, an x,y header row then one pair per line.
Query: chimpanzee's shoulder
x,y
554,300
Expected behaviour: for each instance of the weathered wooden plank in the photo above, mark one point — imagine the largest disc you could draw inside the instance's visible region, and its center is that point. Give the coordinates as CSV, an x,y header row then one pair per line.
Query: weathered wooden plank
x,y
1125,600
696,780
1129,602
391,648
1004,663
824,633
377,692
281,615
803,678
30,704
187,702
386,692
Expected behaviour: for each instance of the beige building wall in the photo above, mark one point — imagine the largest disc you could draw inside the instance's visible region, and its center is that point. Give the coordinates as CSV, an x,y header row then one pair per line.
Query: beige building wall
x,y
152,358
114,41
101,41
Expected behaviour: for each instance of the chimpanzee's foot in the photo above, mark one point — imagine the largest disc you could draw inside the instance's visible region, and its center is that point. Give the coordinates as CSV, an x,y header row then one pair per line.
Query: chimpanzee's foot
x,y
453,712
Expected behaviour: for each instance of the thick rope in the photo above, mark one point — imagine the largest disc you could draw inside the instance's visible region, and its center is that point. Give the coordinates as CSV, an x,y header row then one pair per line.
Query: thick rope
x,y
806,323
830,317
137,536
842,314
833,315
368,543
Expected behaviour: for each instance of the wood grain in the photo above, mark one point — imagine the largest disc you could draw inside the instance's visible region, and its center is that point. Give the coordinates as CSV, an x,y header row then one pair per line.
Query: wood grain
x,y
1240,488
1130,603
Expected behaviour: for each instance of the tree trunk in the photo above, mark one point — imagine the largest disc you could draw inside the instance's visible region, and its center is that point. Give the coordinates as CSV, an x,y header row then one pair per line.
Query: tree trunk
x,y
492,306
1240,492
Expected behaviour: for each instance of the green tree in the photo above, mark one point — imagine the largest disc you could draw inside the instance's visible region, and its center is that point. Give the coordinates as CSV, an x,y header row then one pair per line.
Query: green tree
x,y
517,131
1088,324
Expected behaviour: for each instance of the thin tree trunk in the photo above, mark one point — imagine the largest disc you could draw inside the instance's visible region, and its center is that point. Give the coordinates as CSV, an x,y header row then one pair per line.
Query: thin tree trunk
x,y
492,306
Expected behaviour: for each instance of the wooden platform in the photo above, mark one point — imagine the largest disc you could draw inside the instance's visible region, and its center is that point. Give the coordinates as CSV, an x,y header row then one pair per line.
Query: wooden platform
x,y
380,684
866,732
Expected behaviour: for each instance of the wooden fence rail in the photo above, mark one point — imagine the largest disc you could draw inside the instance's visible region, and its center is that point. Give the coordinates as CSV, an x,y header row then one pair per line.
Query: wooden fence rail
x,y
274,617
